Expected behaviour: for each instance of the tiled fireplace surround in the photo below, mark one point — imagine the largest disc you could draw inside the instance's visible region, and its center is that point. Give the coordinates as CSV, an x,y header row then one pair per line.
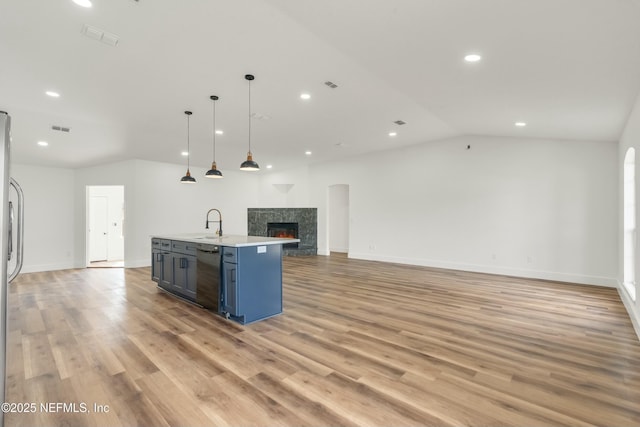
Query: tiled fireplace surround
x,y
307,219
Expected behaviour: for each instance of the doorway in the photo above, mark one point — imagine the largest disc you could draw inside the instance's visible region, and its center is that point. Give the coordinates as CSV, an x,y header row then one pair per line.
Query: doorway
x,y
105,226
339,218
629,222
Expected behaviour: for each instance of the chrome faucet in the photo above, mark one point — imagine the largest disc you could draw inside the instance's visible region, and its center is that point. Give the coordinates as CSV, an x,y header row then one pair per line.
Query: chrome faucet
x,y
219,232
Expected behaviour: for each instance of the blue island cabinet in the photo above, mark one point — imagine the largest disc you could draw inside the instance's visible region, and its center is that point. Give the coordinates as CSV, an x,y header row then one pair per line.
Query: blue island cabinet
x,y
251,282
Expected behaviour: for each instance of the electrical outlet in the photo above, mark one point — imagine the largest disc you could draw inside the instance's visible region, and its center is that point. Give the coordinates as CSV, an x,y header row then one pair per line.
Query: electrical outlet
x,y
493,257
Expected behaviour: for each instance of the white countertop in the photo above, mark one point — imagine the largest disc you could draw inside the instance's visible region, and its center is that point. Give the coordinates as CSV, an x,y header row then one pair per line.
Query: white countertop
x,y
230,240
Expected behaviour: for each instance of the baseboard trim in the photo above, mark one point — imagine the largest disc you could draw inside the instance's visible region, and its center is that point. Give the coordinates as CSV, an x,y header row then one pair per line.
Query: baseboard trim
x,y
46,267
340,250
629,305
137,263
490,269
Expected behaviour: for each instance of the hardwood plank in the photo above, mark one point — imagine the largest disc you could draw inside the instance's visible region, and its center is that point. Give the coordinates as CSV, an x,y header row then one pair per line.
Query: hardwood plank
x,y
358,402
135,362
90,386
419,395
38,356
67,354
257,408
173,404
15,368
100,355
308,410
55,320
32,321
358,343
130,404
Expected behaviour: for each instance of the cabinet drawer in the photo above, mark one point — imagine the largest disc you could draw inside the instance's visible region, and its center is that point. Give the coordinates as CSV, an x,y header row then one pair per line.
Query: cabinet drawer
x,y
230,254
161,244
183,247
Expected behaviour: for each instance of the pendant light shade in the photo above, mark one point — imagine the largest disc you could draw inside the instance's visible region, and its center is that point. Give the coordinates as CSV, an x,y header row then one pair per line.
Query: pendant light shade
x,y
188,179
214,172
249,164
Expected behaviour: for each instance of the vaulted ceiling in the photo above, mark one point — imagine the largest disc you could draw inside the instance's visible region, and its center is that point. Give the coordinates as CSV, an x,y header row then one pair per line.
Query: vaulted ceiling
x,y
570,69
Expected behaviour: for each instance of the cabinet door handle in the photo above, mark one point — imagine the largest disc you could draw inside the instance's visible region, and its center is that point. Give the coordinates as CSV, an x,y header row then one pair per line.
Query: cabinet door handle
x,y
183,262
158,257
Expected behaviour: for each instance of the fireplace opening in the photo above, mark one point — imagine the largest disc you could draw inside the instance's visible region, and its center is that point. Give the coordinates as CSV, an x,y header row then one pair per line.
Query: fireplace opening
x,y
285,230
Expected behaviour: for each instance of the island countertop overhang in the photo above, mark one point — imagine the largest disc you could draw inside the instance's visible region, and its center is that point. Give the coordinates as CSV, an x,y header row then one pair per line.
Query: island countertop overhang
x,y
235,241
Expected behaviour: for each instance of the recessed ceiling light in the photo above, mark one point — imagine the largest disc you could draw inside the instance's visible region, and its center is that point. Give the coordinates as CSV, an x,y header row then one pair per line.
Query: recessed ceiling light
x,y
43,143
83,3
473,57
305,96
219,132
393,133
53,94
185,153
520,124
308,153
269,166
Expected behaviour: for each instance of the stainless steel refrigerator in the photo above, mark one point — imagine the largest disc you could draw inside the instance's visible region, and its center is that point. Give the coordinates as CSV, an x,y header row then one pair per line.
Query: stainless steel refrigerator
x,y
10,231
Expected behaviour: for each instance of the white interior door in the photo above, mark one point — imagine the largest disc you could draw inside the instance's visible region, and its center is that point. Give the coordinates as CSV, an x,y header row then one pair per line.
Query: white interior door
x,y
98,228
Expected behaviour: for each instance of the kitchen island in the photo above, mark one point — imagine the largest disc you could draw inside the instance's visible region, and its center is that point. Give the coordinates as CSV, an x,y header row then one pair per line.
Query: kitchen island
x,y
239,277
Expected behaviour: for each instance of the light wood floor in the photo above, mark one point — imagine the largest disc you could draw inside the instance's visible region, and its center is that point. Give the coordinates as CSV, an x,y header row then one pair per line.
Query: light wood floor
x,y
359,343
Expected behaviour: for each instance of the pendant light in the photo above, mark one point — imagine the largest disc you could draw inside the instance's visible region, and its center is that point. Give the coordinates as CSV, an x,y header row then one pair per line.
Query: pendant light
x,y
214,172
188,179
249,164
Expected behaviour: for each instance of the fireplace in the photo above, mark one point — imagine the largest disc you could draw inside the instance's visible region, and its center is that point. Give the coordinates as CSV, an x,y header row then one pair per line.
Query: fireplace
x,y
306,220
283,229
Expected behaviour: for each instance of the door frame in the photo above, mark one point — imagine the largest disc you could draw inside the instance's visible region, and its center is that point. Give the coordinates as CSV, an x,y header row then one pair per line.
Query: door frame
x,y
331,208
87,218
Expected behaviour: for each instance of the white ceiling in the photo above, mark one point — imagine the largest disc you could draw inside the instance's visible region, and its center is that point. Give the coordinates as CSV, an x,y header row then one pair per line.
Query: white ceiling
x,y
569,68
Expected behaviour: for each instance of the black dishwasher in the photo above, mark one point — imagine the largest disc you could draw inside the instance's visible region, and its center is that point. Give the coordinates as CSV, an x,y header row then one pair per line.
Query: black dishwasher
x,y
208,276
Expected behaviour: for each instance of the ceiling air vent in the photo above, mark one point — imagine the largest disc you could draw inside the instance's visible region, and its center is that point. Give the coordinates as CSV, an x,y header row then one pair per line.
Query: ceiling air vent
x,y
61,128
332,85
400,122
100,35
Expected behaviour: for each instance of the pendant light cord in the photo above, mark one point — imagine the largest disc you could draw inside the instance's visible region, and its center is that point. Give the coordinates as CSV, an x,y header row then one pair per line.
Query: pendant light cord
x,y
214,130
188,145
250,116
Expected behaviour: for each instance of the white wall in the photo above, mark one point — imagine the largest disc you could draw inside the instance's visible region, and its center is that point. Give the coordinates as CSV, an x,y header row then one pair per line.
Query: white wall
x,y
338,223
525,207
630,138
48,217
533,208
157,203
286,189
